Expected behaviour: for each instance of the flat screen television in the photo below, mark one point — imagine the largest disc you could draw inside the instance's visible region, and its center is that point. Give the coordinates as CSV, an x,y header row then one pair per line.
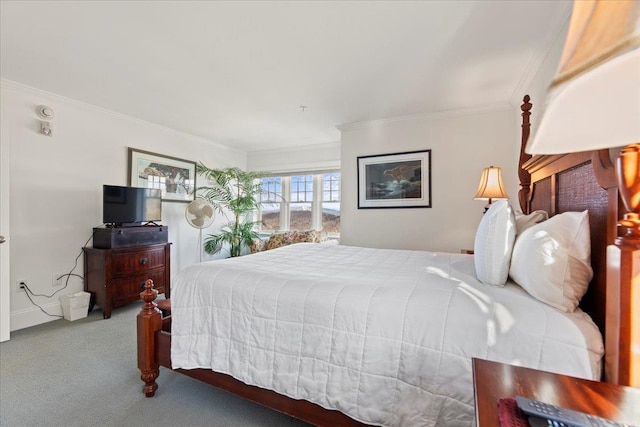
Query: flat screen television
x,y
130,205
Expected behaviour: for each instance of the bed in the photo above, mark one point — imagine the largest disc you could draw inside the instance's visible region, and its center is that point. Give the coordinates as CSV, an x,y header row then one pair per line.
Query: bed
x,y
383,337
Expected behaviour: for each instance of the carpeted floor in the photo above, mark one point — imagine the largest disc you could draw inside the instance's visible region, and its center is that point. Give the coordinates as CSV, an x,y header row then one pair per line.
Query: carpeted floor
x,y
84,373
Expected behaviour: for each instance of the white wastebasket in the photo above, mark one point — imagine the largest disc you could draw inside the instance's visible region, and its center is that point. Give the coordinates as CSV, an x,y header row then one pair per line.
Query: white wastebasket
x,y
75,306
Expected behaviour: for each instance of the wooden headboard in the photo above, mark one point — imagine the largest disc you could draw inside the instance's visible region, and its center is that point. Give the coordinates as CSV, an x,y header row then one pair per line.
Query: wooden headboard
x,y
575,182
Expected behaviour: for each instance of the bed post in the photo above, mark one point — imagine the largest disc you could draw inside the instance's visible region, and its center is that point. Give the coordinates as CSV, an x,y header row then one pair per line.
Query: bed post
x,y
149,322
523,174
622,360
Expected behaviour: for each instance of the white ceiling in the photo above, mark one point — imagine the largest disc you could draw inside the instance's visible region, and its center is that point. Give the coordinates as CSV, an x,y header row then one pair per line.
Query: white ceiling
x,y
236,73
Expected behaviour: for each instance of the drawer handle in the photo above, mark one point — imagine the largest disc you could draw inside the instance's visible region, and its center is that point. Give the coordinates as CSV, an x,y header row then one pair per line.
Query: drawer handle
x,y
143,261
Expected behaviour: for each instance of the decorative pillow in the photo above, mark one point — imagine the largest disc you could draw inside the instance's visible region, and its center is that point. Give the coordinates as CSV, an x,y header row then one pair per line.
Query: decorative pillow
x,y
307,236
525,221
285,238
301,236
552,260
277,240
494,243
257,245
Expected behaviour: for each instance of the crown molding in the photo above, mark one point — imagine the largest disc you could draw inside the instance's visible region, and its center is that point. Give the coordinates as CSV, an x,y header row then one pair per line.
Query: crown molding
x,y
301,168
489,108
296,148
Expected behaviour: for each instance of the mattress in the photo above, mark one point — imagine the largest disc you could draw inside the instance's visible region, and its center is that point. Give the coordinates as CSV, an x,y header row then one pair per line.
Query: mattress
x,y
384,336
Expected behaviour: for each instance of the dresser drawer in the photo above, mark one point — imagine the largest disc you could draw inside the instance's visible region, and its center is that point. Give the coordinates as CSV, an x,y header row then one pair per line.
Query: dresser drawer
x,y
128,289
115,277
132,262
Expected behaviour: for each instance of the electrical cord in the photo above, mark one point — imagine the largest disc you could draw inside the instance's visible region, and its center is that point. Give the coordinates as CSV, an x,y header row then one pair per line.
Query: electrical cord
x,y
27,292
68,275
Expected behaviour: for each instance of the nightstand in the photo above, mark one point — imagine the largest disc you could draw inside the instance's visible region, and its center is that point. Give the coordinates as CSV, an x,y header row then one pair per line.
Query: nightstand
x,y
492,380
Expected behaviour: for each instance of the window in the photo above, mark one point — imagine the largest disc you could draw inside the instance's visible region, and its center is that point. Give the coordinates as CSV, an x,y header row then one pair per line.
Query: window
x,y
301,205
301,202
271,200
331,202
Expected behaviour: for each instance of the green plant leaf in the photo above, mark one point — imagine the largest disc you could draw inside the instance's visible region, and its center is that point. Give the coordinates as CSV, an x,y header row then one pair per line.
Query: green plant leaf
x,y
235,194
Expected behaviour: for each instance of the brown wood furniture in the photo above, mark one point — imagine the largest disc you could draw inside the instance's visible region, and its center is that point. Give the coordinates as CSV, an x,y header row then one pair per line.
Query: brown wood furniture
x,y
623,292
572,182
575,182
115,277
587,180
493,380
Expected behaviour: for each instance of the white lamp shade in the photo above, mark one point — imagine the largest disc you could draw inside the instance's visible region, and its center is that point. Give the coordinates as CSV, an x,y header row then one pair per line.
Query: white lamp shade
x,y
594,101
600,109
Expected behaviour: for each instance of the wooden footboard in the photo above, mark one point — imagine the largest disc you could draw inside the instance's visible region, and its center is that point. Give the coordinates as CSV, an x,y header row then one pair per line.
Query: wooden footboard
x,y
154,350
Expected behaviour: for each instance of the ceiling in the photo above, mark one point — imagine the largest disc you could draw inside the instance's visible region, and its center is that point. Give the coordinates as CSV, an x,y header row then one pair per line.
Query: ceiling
x,y
236,73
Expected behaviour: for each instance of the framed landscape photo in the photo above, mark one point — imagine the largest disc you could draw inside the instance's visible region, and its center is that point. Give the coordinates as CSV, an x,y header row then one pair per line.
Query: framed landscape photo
x,y
176,178
397,180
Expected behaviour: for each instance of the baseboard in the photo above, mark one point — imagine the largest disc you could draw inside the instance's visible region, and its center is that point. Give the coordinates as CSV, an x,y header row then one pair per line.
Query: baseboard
x,y
33,316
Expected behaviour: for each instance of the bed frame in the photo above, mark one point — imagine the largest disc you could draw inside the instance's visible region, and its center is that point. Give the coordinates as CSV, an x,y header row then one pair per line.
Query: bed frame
x,y
556,184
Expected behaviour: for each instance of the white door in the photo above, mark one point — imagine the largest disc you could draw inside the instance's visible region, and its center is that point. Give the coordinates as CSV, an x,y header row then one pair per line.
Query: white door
x,y
5,286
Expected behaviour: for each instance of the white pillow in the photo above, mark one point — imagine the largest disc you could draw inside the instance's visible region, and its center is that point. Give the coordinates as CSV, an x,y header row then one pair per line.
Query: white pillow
x,y
552,260
493,244
525,221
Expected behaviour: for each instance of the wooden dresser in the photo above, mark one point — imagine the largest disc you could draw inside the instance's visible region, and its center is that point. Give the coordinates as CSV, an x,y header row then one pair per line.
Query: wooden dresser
x,y
115,277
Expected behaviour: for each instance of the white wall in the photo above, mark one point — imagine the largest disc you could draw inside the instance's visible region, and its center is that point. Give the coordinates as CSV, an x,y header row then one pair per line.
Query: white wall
x,y
56,187
539,84
461,146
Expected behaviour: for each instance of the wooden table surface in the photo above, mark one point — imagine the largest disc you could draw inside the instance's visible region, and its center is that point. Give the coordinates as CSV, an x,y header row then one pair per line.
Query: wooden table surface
x,y
492,380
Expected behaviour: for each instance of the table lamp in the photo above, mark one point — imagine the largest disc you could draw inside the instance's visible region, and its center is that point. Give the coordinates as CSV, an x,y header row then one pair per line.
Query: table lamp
x,y
491,186
594,103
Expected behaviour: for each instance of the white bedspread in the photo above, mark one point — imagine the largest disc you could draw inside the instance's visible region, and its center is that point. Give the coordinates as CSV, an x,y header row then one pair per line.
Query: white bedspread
x,y
384,336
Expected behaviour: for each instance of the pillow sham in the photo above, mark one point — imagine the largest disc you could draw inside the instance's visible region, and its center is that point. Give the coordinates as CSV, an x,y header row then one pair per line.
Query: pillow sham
x,y
552,260
525,221
493,244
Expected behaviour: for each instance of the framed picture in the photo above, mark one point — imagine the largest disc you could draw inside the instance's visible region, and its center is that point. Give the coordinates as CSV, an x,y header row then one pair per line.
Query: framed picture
x,y
398,180
175,177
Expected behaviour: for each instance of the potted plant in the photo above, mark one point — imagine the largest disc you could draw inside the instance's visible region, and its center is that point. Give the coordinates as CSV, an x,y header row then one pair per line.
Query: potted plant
x,y
235,194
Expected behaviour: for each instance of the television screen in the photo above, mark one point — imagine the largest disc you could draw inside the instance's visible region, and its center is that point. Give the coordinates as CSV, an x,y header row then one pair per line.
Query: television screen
x,y
127,205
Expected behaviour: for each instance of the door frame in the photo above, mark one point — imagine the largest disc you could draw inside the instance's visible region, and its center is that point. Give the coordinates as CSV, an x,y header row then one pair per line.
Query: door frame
x,y
5,277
